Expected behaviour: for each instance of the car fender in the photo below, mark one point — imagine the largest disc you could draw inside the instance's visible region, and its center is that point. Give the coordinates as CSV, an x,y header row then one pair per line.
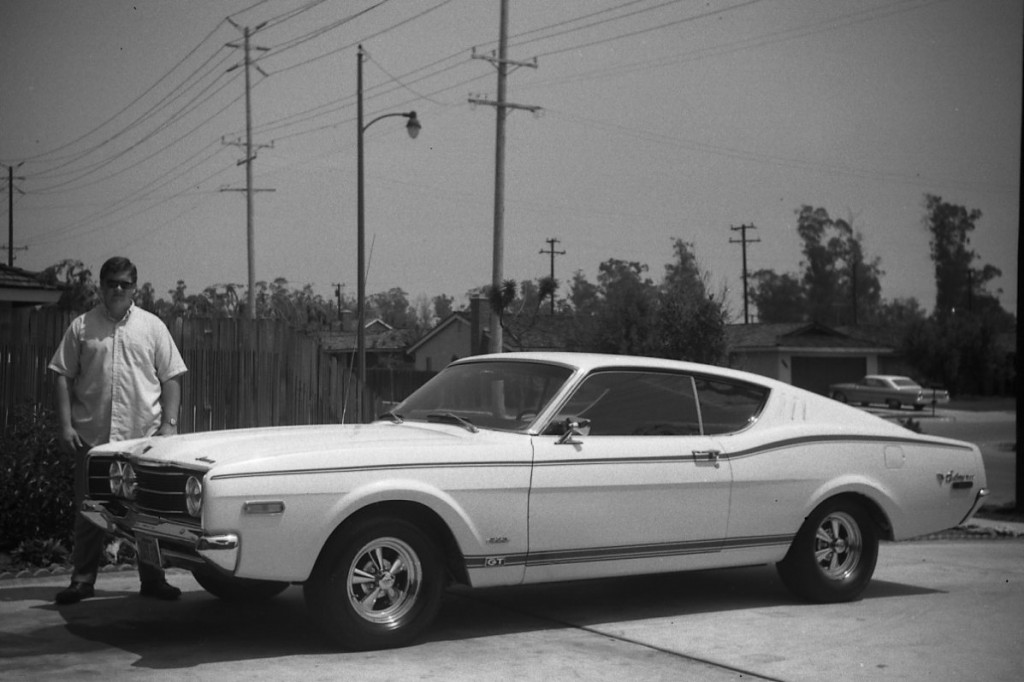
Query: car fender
x,y
878,494
441,502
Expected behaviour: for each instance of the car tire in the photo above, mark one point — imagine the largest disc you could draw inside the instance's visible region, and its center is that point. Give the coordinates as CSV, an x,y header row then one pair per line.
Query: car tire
x,y
232,589
893,404
840,396
833,555
376,585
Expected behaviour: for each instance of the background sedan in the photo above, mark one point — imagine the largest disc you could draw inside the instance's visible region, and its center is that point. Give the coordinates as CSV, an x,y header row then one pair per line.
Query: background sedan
x,y
891,390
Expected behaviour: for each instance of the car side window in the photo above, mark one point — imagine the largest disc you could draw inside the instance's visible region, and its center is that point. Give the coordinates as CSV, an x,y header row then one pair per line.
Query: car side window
x,y
727,406
635,403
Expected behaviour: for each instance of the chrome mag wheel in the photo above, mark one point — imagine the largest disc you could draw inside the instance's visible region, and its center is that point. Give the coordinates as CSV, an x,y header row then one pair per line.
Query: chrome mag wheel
x,y
384,581
838,545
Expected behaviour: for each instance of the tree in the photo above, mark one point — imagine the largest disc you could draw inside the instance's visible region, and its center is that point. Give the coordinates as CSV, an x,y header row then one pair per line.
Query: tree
x,y
839,285
690,322
80,292
583,297
626,312
958,283
443,306
392,306
958,345
778,298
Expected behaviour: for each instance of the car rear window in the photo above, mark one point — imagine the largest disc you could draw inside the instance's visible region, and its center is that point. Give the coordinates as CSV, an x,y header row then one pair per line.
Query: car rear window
x,y
727,406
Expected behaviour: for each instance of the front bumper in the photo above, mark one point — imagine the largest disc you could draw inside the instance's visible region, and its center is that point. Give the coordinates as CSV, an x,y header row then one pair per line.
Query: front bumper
x,y
181,545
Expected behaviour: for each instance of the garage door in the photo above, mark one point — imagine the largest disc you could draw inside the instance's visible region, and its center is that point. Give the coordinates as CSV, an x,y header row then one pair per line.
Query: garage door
x,y
815,374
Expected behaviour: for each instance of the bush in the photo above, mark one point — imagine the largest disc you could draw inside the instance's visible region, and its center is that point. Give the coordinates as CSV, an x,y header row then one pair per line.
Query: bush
x,y
36,484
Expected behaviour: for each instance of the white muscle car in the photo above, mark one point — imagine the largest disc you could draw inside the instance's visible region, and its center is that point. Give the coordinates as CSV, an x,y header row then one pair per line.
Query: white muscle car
x,y
533,467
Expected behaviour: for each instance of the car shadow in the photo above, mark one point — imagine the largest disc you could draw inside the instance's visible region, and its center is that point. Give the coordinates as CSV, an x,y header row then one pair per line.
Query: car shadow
x,y
596,602
200,629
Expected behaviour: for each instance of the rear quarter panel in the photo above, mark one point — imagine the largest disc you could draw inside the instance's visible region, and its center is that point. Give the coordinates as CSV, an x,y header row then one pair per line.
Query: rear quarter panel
x,y
807,449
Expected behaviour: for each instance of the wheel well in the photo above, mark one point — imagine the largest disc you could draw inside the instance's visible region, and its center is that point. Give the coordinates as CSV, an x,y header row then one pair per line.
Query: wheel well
x,y
428,521
873,509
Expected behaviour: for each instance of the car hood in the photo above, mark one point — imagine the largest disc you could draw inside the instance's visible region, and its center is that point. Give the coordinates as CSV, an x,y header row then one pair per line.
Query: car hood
x,y
272,448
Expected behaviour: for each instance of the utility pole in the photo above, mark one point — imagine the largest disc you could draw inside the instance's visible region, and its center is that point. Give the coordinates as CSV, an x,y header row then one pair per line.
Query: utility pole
x,y
853,285
11,189
551,250
501,106
250,156
744,241
337,295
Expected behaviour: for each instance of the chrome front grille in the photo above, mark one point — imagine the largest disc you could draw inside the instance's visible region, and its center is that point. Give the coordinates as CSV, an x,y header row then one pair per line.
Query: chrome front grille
x,y
161,490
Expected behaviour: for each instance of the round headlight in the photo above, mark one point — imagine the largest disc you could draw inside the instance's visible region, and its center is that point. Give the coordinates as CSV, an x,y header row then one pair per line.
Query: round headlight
x,y
131,484
194,496
116,474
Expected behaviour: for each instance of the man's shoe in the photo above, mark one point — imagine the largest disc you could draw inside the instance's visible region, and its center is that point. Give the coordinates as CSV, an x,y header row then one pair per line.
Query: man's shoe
x,y
75,593
160,590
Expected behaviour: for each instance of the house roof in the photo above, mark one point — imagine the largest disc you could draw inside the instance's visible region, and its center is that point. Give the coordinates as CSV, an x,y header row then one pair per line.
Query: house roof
x,y
22,287
792,335
456,318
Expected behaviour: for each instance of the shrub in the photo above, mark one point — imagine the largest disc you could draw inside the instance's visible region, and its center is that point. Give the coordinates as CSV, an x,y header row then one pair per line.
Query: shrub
x,y
36,483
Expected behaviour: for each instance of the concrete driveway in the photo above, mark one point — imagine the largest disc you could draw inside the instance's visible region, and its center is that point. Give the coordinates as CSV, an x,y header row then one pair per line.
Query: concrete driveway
x,y
937,610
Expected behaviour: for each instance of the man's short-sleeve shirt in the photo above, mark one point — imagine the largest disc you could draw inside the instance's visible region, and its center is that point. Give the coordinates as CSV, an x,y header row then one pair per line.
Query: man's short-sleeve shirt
x,y
115,369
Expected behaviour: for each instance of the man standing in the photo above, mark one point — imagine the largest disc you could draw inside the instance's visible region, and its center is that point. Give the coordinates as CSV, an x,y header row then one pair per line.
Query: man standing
x,y
118,372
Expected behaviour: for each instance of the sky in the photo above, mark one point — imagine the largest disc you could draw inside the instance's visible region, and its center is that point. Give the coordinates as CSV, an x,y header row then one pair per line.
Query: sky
x,y
656,120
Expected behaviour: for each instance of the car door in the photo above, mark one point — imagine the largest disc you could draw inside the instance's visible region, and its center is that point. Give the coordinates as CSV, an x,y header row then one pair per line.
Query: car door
x,y
640,489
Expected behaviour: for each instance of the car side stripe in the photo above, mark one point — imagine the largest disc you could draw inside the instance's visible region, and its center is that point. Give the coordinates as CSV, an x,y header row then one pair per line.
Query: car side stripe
x,y
630,552
591,461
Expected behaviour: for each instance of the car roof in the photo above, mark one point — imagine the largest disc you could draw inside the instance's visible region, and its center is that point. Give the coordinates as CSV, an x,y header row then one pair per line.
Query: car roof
x,y
586,362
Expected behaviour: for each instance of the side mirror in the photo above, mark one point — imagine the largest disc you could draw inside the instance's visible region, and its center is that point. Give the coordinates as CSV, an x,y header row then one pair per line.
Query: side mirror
x,y
574,428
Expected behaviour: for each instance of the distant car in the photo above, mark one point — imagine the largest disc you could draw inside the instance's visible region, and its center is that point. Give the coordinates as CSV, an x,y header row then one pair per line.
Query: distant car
x,y
891,390
528,468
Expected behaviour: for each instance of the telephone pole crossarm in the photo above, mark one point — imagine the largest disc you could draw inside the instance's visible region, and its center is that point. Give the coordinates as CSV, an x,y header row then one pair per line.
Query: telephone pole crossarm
x,y
504,105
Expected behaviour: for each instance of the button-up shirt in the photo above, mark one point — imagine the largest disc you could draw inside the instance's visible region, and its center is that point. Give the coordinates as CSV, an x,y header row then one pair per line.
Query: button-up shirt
x,y
115,370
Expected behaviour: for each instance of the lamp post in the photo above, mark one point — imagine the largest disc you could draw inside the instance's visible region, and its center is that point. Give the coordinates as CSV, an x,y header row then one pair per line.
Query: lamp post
x,y
413,128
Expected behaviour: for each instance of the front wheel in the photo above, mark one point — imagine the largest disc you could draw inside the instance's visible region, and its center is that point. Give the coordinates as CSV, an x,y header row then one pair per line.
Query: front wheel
x,y
833,555
377,584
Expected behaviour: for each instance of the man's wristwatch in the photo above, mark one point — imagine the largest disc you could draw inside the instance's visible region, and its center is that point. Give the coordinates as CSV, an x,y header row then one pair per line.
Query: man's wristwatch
x,y
172,422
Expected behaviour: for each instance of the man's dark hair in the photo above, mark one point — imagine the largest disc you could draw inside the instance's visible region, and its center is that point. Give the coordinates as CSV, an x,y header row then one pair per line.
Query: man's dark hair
x,y
119,264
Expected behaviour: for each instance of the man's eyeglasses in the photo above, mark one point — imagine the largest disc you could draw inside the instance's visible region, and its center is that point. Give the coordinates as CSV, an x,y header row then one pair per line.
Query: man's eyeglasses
x,y
118,284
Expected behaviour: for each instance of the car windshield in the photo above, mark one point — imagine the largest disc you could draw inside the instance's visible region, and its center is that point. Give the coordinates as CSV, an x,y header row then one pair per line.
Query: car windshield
x,y
905,383
500,394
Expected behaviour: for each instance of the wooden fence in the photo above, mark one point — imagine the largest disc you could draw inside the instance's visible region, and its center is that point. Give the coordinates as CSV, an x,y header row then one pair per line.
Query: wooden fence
x,y
241,373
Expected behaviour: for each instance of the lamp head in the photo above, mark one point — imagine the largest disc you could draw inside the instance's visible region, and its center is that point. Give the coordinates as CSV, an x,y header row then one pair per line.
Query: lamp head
x,y
413,126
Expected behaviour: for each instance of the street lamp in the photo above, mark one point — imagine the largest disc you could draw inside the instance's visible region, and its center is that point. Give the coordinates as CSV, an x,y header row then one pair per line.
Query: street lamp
x,y
413,128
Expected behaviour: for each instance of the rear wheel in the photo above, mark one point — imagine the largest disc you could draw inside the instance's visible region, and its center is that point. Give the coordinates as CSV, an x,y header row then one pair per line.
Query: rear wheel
x,y
377,584
230,588
893,404
840,396
834,553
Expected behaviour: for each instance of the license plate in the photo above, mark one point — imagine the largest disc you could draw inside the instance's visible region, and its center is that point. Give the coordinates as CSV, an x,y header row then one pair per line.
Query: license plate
x,y
148,549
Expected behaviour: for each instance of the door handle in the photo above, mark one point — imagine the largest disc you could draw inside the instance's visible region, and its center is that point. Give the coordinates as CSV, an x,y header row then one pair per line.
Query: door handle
x,y
710,456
